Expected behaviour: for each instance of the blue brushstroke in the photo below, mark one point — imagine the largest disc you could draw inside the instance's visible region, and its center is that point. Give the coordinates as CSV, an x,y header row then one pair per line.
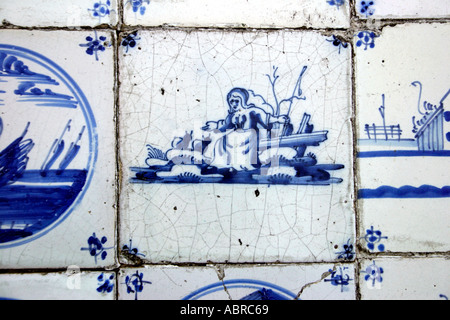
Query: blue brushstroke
x,y
14,158
240,284
46,98
36,206
403,153
72,151
263,295
55,151
29,211
405,192
11,66
230,150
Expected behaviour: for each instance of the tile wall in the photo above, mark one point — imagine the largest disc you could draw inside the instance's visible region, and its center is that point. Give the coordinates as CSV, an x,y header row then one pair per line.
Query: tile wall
x,y
240,149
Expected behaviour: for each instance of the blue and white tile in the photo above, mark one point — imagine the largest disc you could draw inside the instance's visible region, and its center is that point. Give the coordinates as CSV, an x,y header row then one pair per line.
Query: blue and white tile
x,y
61,13
73,284
402,9
184,202
58,142
238,13
403,114
400,278
270,282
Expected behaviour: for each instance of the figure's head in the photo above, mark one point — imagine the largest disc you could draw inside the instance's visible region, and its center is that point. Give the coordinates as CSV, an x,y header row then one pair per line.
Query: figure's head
x,y
237,98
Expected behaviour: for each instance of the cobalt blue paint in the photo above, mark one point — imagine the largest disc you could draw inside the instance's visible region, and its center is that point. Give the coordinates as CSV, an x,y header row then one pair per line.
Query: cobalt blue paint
x,y
404,192
94,45
374,237
101,10
135,283
264,295
106,284
342,279
138,5
366,39
231,150
130,250
260,286
348,253
428,141
373,274
366,8
336,3
34,201
338,43
46,98
402,153
96,247
130,41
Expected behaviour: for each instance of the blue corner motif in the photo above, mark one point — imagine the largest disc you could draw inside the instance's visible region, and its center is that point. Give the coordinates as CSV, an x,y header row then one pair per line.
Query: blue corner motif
x,y
348,253
341,279
105,284
252,144
138,5
96,247
135,284
373,274
336,3
101,10
338,43
130,41
39,190
366,8
96,44
366,39
373,238
132,251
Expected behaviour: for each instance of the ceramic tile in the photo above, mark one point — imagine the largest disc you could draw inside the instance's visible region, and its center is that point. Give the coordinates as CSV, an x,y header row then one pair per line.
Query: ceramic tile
x,y
70,285
58,141
277,282
405,279
61,13
203,184
404,9
238,13
402,95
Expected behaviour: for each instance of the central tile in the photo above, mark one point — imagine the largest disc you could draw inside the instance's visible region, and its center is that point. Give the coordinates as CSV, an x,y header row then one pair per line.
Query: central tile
x,y
236,146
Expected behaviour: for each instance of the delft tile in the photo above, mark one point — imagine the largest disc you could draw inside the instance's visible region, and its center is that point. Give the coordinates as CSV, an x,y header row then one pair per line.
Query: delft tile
x,y
62,13
238,13
402,9
70,285
405,279
403,114
180,204
276,282
57,137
